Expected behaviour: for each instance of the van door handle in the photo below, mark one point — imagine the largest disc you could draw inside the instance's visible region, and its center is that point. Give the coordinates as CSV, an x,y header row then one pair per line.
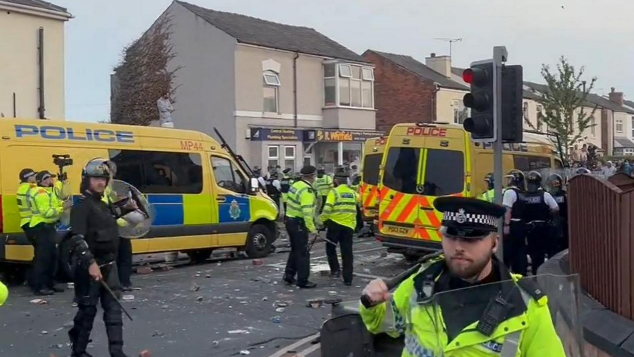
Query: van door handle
x,y
221,199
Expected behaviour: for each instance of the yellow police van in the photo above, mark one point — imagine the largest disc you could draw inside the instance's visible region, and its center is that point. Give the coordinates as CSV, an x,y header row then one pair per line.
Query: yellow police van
x,y
202,196
368,190
425,161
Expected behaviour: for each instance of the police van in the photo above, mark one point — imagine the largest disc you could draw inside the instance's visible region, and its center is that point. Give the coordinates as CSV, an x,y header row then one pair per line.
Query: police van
x,y
368,190
424,161
202,196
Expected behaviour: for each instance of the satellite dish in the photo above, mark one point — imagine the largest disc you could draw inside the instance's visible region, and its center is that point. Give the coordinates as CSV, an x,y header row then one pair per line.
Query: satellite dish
x,y
133,223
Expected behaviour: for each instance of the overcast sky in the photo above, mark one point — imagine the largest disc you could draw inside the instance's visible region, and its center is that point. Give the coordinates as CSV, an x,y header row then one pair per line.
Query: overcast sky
x,y
597,34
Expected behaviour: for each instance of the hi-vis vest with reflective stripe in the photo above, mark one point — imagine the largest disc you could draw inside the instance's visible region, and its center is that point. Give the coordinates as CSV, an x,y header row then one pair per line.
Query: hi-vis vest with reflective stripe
x,y
301,204
45,206
323,185
528,335
23,196
487,195
341,207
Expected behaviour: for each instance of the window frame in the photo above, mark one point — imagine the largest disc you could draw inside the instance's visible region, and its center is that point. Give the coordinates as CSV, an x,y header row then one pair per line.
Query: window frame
x,y
345,65
617,123
366,78
271,85
294,152
371,71
235,173
267,74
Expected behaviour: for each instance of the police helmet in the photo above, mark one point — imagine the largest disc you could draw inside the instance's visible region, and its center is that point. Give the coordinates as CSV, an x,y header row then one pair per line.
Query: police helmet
x,y
489,178
516,177
556,177
96,167
583,171
534,177
321,171
287,171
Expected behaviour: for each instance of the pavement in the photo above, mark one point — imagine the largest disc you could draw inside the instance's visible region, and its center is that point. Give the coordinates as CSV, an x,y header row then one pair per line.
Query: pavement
x,y
223,307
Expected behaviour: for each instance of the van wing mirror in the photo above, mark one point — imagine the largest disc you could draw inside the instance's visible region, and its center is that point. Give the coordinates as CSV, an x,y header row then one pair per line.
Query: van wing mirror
x,y
254,185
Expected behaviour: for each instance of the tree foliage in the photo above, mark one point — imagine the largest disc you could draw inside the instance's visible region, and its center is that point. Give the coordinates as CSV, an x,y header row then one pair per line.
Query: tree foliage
x,y
142,76
564,103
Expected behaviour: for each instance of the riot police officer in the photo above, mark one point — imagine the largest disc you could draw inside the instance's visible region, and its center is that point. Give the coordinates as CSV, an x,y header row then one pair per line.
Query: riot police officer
x,y
340,217
323,185
489,194
514,225
274,188
95,242
538,208
561,223
285,185
299,225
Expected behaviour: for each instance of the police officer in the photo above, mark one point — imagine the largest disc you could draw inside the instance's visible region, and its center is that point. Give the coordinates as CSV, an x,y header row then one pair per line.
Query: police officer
x,y
561,225
538,209
514,224
4,293
469,243
27,183
257,173
489,194
285,185
274,188
340,218
46,210
95,242
299,225
323,185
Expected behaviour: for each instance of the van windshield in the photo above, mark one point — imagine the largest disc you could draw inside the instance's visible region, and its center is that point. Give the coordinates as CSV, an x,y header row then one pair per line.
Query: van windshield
x,y
371,165
444,171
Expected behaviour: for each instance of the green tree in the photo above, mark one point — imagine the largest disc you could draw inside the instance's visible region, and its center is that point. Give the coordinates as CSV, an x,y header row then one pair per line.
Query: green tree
x,y
564,104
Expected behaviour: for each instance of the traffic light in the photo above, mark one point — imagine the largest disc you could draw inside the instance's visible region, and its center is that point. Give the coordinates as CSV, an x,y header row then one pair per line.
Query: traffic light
x,y
512,94
481,124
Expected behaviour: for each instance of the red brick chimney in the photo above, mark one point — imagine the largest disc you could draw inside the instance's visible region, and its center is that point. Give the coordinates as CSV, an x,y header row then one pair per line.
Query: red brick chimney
x,y
616,97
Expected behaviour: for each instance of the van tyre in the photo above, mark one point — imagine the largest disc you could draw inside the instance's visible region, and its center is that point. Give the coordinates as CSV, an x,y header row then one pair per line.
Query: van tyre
x,y
199,256
259,241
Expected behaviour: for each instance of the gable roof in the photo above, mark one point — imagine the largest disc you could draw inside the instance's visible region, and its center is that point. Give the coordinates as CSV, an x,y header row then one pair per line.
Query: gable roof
x,y
421,70
39,4
629,103
254,31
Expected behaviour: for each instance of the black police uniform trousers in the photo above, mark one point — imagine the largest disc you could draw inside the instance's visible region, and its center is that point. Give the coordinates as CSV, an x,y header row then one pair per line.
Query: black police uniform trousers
x,y
539,243
124,261
514,247
341,235
299,257
323,203
45,257
89,292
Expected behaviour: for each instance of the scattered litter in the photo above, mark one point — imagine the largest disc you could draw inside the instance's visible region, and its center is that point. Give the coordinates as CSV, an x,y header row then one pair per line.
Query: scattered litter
x,y
366,270
158,333
275,283
165,268
198,272
241,298
145,353
332,293
264,280
219,264
69,324
128,297
199,299
236,290
44,332
59,346
275,319
315,304
280,309
70,285
39,302
146,269
164,306
281,304
215,343
290,291
194,287
244,302
241,332
197,275
383,254
74,304
135,288
265,298
207,276
245,352
258,262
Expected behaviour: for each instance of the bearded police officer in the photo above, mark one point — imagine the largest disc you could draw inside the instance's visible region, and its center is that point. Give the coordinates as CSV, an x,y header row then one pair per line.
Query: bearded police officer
x,y
95,242
299,225
539,208
323,185
469,243
514,223
340,217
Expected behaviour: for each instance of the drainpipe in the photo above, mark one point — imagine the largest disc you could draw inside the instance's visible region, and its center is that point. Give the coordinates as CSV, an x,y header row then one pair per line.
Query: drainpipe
x,y
40,52
433,102
295,88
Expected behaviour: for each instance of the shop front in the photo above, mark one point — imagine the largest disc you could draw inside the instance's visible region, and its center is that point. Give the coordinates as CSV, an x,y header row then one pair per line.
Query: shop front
x,y
332,147
272,147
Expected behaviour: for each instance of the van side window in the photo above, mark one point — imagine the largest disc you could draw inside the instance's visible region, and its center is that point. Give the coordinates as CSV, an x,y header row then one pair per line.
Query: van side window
x,y
227,175
371,164
528,163
444,172
158,171
401,169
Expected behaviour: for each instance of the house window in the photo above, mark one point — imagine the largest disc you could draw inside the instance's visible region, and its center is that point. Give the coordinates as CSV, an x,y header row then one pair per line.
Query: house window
x,y
460,112
289,157
274,156
271,91
619,125
348,85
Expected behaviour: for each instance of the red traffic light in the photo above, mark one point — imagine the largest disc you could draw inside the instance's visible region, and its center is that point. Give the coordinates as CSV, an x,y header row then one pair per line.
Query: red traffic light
x,y
467,75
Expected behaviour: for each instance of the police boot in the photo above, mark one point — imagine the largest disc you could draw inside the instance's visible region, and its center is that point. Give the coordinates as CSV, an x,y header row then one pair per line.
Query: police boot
x,y
114,327
80,333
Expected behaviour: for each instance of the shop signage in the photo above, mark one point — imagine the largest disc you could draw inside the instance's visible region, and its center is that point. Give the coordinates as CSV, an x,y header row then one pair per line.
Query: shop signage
x,y
340,135
260,134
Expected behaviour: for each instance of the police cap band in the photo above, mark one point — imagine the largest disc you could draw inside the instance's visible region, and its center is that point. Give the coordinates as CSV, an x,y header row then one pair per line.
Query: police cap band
x,y
308,170
468,217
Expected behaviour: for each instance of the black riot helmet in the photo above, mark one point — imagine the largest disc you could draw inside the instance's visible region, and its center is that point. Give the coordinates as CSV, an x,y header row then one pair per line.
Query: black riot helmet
x,y
516,178
555,182
321,172
583,170
341,176
533,181
96,167
489,180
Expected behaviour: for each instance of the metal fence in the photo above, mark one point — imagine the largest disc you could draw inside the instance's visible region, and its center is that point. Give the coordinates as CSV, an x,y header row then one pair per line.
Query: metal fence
x,y
601,224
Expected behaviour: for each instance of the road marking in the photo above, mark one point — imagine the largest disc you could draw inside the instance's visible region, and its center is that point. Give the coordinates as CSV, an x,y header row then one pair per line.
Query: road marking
x,y
309,350
295,345
369,276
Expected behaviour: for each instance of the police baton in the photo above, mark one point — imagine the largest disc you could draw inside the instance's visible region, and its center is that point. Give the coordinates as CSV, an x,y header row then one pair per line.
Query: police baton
x,y
395,281
103,283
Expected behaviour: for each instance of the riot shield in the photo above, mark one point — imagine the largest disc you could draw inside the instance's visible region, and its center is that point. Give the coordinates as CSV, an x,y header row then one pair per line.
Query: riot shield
x,y
136,213
499,317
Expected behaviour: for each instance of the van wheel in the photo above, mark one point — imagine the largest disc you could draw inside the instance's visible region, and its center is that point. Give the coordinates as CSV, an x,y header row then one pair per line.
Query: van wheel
x,y
199,256
259,241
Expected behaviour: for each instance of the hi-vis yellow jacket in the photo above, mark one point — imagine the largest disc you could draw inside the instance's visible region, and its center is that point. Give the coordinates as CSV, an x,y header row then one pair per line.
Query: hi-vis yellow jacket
x,y
23,195
301,204
341,207
530,334
45,206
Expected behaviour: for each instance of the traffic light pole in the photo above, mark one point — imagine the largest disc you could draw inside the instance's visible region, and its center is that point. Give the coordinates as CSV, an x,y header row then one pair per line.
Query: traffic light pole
x,y
499,57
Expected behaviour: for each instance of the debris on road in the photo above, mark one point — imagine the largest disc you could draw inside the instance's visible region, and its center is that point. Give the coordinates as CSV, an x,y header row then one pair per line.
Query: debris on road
x,y
275,319
158,333
145,353
127,297
195,287
281,304
146,269
245,352
314,303
59,346
383,254
258,262
70,285
332,293
241,332
39,301
265,298
208,276
44,332
280,309
199,299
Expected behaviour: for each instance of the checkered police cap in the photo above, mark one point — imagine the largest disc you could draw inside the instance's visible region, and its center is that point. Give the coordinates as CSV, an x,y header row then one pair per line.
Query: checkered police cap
x,y
468,217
